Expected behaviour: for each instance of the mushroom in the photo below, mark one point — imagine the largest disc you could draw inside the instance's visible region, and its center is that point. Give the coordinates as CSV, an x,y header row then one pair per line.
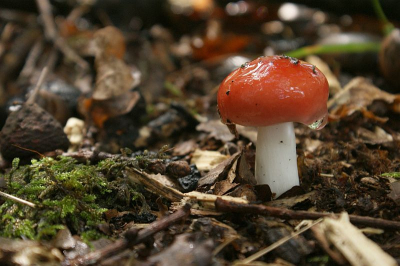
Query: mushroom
x,y
271,93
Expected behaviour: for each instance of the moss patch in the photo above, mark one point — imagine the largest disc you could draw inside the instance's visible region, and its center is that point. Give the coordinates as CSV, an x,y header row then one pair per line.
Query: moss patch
x,y
66,194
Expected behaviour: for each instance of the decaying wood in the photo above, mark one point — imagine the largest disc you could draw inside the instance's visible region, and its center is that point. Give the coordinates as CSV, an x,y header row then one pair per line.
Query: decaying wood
x,y
228,206
132,238
353,244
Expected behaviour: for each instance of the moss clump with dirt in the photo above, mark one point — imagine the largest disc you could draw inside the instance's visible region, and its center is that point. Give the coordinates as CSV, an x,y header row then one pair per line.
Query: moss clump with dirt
x,y
66,194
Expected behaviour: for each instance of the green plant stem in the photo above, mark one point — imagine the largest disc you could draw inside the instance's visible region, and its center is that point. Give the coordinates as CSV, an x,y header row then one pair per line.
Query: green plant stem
x,y
335,48
388,27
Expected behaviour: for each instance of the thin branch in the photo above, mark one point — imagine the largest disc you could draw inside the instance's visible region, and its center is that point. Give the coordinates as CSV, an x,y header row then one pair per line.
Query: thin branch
x,y
132,238
35,91
227,206
11,197
52,34
278,243
31,60
47,17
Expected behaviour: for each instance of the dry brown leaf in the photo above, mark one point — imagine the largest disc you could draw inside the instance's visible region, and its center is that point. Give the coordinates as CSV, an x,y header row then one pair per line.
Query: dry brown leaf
x,y
113,77
28,252
334,85
358,94
231,176
218,172
153,185
187,249
217,130
395,192
101,110
184,148
223,187
248,132
207,160
245,192
244,174
378,136
290,202
110,41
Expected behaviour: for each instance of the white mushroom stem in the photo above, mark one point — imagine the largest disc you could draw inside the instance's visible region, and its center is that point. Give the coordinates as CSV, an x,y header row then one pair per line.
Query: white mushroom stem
x,y
276,160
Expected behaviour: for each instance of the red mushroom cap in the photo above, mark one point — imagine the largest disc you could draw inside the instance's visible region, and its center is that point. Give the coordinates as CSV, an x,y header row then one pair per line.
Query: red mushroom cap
x,y
271,90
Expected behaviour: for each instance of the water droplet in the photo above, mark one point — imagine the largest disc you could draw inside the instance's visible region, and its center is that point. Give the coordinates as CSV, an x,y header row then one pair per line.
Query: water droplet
x,y
319,124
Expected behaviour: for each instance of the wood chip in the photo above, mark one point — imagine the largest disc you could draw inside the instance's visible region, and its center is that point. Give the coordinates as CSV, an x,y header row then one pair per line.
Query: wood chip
x,y
354,245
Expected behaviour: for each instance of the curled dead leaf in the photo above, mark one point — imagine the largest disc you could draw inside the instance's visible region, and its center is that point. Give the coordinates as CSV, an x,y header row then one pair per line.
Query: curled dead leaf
x,y
357,95
101,110
110,41
113,78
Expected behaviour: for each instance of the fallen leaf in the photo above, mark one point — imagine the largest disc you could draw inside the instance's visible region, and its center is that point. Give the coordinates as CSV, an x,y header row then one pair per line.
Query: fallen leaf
x,y
64,239
334,85
110,41
357,95
217,130
218,172
113,77
100,111
245,192
187,249
395,192
378,136
248,132
207,160
184,148
244,174
222,187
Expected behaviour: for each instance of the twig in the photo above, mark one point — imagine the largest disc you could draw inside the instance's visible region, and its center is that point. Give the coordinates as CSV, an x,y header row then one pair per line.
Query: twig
x,y
5,37
39,83
132,238
31,60
52,34
227,206
278,243
47,17
11,197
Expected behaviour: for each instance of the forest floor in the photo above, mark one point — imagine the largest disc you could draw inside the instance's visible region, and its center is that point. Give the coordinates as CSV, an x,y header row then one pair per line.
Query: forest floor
x,y
113,151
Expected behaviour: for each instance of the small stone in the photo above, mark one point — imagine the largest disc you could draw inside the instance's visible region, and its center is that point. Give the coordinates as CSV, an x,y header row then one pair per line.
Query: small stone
x,y
31,129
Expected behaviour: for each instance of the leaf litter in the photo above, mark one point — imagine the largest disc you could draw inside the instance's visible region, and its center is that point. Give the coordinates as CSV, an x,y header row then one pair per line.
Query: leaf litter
x,y
153,177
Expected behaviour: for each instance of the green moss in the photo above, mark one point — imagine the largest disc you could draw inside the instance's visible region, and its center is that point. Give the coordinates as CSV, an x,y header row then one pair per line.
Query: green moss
x,y
66,193
392,174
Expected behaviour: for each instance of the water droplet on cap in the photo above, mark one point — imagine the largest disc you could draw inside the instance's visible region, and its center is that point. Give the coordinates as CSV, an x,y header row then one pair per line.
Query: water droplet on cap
x,y
319,124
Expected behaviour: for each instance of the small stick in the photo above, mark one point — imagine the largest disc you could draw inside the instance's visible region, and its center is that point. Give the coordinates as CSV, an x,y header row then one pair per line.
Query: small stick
x,y
52,34
278,243
227,206
11,197
5,37
31,59
132,238
47,16
35,91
